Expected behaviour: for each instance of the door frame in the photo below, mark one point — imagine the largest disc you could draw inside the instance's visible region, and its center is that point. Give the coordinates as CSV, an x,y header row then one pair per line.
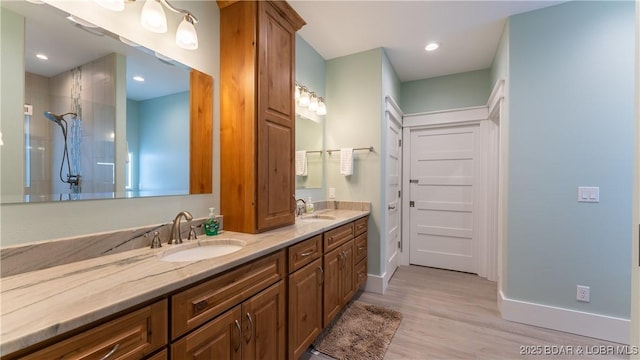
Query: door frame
x,y
490,182
393,113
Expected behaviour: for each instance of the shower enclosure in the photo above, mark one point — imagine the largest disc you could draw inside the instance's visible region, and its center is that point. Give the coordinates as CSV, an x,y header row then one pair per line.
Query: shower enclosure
x,y
69,136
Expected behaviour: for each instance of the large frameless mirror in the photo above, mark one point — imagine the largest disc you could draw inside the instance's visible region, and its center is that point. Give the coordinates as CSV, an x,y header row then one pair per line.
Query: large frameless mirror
x,y
82,86
309,164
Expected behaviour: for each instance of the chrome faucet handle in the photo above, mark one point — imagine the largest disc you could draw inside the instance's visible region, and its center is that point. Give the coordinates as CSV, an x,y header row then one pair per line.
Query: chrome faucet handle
x,y
192,233
156,243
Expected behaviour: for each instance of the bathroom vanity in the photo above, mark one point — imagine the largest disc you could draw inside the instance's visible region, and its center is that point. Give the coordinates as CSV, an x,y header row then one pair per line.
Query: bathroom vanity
x,y
270,299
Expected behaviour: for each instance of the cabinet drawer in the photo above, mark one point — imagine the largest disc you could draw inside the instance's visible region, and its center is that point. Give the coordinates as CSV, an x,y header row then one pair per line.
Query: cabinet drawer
x,y
198,304
130,336
361,247
334,238
361,225
361,273
305,252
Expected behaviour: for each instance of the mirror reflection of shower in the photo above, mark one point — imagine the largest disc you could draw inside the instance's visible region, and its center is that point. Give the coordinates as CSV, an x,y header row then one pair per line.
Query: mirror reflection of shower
x,y
72,179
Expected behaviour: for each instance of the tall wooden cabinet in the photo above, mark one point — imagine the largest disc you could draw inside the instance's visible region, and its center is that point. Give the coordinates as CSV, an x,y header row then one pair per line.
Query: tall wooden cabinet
x,y
257,131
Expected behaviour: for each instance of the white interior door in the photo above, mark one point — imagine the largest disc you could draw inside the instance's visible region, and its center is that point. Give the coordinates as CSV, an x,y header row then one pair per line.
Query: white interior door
x,y
443,216
393,174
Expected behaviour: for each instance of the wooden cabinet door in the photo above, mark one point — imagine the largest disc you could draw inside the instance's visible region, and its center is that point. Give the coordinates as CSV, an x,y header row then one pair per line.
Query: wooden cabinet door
x,y
263,324
305,307
276,119
331,297
131,336
347,277
219,339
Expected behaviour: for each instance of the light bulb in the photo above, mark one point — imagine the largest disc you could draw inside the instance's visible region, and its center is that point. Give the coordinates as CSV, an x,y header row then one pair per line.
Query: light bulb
x,y
322,108
313,103
304,97
297,92
152,17
115,5
186,36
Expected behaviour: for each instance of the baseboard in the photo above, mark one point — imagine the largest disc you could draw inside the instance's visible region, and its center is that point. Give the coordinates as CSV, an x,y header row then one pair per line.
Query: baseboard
x,y
375,284
576,322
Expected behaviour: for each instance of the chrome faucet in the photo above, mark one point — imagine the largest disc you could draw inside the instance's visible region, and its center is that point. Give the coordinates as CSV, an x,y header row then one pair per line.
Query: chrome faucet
x,y
175,237
299,209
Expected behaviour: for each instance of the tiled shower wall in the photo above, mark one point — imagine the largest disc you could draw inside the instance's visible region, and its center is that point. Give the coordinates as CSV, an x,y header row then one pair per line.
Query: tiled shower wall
x,y
95,84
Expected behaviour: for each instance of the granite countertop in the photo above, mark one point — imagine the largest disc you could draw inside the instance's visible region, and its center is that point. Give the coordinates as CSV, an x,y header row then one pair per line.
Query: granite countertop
x,y
41,304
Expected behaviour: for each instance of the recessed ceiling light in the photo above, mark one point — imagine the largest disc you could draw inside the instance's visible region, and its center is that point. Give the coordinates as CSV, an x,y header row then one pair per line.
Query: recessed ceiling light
x,y
42,56
432,46
138,78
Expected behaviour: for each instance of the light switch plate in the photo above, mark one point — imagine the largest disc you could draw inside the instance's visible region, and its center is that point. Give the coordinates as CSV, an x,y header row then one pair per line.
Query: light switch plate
x,y
589,194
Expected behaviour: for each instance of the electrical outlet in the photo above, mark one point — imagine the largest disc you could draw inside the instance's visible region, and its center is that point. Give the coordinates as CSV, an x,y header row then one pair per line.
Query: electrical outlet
x,y
582,293
332,193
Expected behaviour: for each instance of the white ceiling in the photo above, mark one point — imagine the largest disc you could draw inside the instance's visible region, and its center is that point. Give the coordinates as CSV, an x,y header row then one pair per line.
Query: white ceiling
x,y
468,31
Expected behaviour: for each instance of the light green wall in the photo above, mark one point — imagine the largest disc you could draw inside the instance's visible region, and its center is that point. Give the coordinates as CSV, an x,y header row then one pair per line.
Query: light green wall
x,y
11,102
446,92
571,73
354,88
311,71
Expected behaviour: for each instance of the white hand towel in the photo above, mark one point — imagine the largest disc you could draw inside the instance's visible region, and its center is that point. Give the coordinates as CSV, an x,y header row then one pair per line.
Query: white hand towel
x,y
301,163
346,161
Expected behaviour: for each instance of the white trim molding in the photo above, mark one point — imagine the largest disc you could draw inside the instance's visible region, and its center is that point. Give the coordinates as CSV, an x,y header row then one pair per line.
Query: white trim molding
x,y
572,321
485,200
375,283
447,117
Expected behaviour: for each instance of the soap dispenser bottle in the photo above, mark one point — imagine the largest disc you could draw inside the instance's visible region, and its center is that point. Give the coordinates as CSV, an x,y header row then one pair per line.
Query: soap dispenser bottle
x,y
212,224
309,206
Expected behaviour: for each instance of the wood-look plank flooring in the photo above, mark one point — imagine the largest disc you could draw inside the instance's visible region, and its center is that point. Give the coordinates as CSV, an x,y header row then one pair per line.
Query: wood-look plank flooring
x,y
453,315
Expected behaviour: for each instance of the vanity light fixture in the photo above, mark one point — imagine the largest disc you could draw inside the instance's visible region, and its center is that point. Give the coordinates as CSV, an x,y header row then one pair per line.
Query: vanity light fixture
x,y
304,97
313,102
322,108
186,35
432,46
153,18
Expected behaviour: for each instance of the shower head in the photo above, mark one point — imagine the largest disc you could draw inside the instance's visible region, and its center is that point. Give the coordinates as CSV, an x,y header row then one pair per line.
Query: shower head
x,y
57,118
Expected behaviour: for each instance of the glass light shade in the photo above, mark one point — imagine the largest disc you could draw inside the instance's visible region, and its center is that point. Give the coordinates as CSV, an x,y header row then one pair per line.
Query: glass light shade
x,y
322,108
186,36
297,92
115,5
304,98
153,18
313,103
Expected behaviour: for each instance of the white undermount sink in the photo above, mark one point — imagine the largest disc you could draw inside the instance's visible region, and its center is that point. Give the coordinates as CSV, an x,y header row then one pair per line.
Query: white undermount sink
x,y
316,217
202,249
